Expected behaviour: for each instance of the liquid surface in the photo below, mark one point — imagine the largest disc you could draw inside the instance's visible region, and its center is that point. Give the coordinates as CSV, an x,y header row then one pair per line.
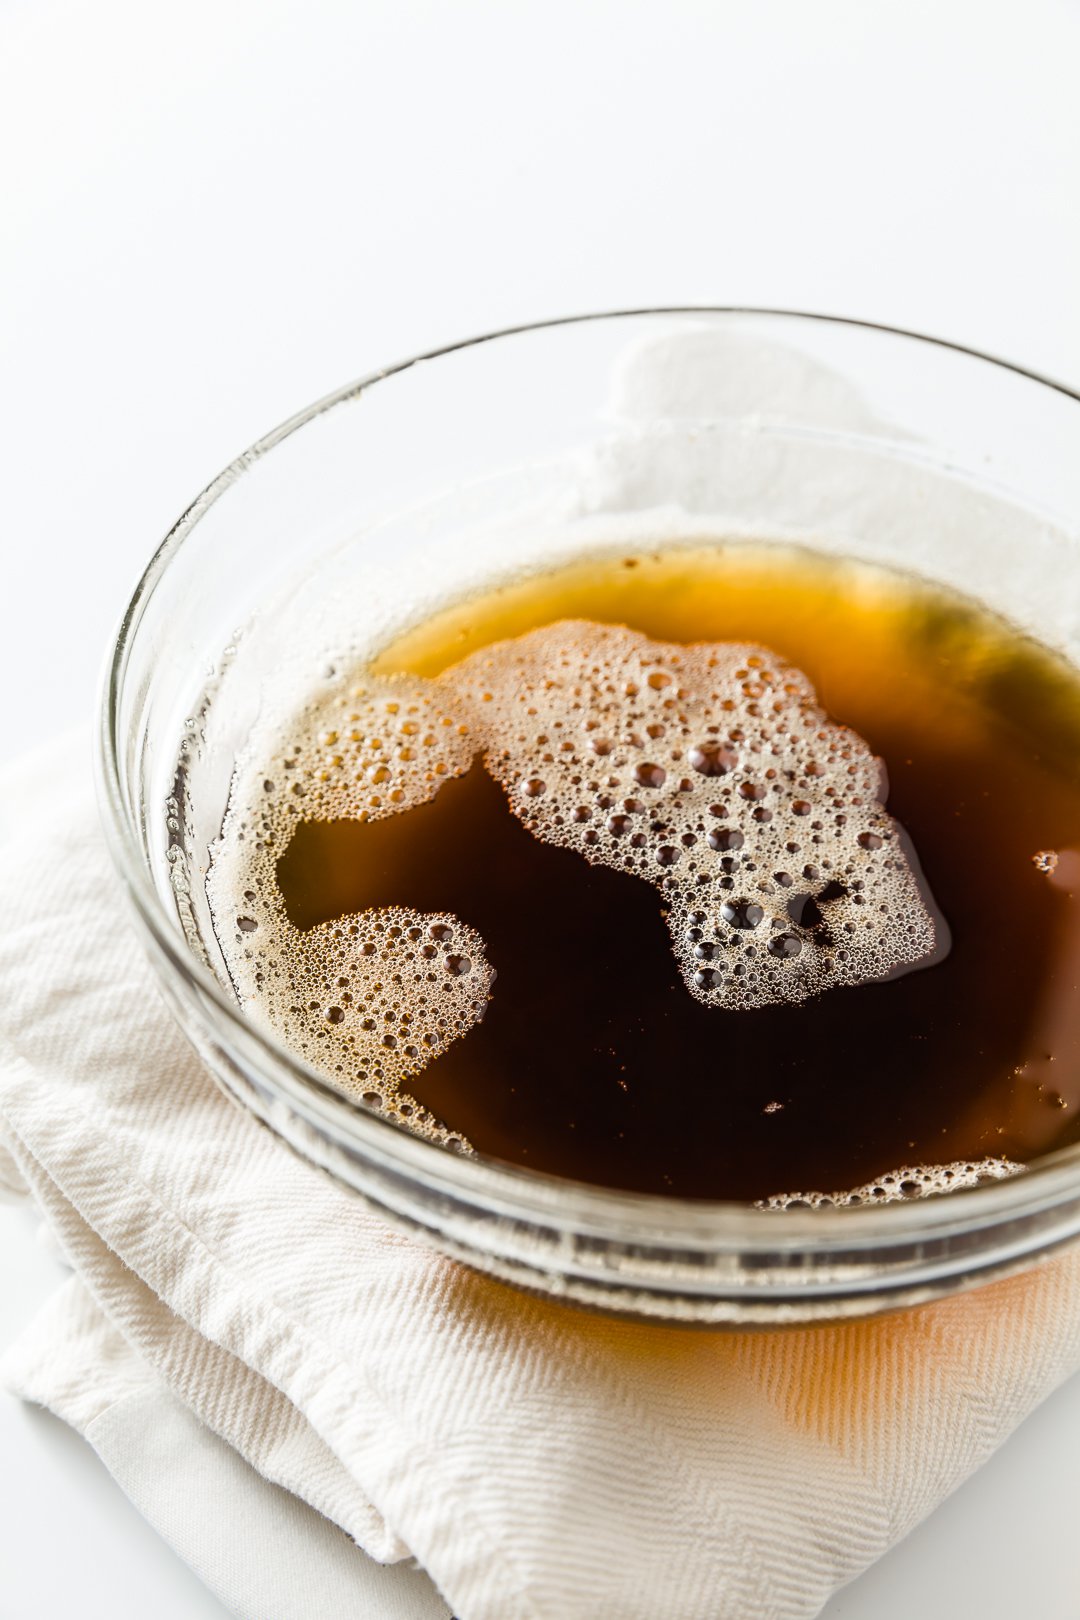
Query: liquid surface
x,y
573,1045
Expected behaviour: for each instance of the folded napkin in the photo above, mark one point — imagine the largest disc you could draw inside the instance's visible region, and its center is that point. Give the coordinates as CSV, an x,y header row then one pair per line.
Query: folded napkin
x,y
540,1463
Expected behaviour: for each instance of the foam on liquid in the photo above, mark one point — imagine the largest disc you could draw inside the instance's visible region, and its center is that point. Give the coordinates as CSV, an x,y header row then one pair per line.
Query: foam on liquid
x,y
368,999
710,771
896,1186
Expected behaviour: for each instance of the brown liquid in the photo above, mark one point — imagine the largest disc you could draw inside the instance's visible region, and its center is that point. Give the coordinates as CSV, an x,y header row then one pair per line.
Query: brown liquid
x,y
593,1062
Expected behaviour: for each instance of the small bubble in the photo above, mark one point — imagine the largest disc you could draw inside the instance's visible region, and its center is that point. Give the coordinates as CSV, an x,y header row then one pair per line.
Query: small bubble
x,y
334,1015
725,838
247,925
459,966
785,945
741,913
534,788
712,759
870,840
650,776
1045,860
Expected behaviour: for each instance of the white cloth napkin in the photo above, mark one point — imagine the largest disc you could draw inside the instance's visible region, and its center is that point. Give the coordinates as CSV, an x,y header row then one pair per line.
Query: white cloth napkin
x,y
538,1462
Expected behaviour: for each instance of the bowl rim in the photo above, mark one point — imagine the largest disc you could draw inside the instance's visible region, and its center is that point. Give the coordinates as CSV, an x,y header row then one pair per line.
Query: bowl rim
x,y
515,1191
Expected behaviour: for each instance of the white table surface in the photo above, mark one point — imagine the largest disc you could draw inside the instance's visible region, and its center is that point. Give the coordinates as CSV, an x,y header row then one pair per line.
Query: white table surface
x,y
213,213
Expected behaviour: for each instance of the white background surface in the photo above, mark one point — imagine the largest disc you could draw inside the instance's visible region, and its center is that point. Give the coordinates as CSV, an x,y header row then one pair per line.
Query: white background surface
x,y
211,214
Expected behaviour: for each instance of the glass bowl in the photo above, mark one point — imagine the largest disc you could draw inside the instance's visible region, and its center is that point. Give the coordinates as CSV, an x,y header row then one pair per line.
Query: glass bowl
x,y
482,463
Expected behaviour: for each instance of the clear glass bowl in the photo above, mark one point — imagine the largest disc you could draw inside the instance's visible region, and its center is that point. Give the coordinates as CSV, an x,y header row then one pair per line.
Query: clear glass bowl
x,y
484,462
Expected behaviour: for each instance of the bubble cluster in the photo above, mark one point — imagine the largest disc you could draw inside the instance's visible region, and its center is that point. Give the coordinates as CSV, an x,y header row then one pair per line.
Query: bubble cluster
x,y
368,999
711,772
911,1181
379,994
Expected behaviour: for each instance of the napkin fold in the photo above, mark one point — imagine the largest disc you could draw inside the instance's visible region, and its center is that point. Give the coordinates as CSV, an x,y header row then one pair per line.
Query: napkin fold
x,y
262,1550
265,1365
